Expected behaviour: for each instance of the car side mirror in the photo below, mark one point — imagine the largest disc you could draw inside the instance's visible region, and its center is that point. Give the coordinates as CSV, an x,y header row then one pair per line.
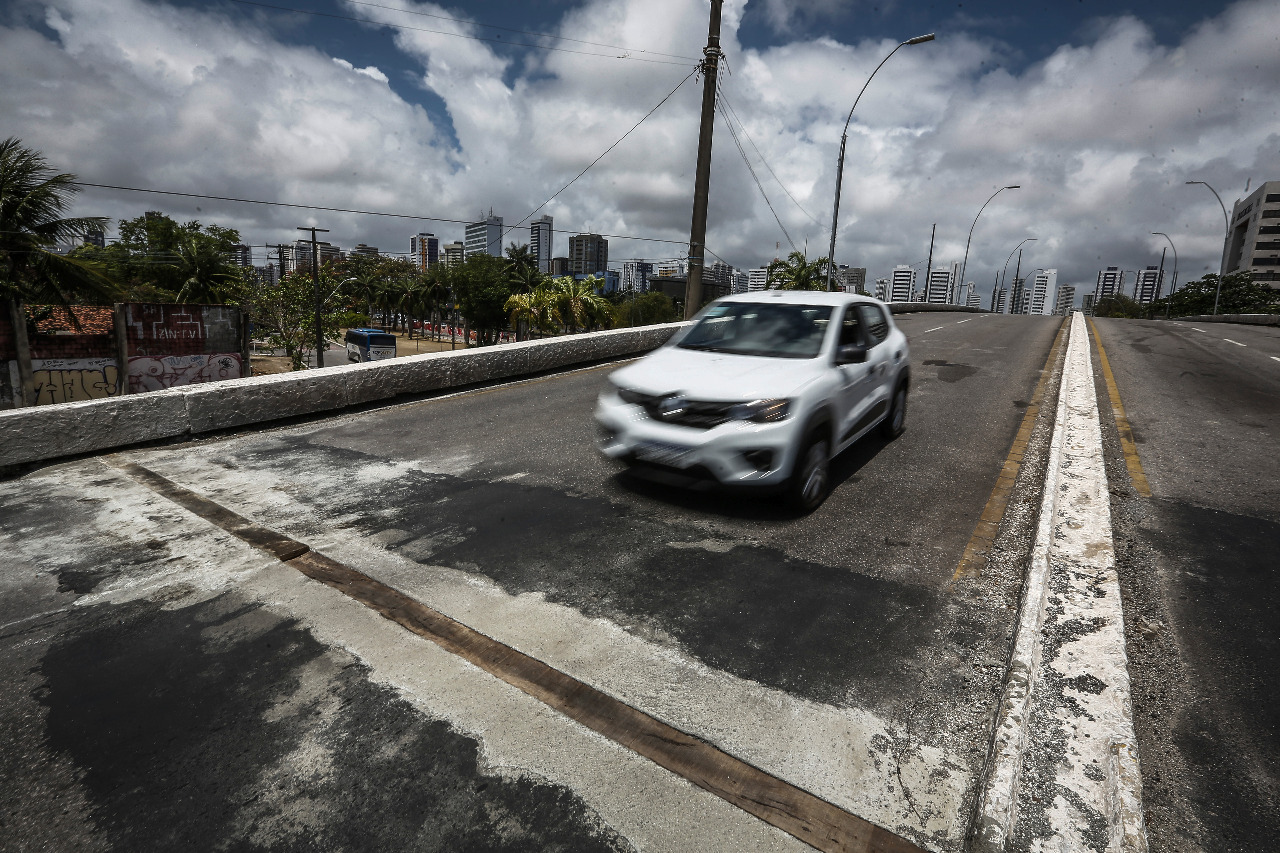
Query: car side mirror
x,y
851,354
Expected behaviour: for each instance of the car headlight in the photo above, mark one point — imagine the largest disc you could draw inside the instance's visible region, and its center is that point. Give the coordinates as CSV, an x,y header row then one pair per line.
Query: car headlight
x,y
761,411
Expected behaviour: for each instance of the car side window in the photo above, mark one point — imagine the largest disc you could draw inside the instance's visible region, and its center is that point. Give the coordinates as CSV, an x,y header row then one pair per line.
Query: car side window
x,y
850,329
877,325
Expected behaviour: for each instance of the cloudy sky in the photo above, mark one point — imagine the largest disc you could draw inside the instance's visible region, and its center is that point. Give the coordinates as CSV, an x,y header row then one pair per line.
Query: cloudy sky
x,y
1100,111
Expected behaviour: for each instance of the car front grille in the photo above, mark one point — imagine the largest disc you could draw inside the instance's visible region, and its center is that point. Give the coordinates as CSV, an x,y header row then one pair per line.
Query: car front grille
x,y
695,414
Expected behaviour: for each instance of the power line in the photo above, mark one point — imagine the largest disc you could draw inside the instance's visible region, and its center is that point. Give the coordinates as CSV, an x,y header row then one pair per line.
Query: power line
x,y
754,177
521,32
743,128
606,151
346,209
447,33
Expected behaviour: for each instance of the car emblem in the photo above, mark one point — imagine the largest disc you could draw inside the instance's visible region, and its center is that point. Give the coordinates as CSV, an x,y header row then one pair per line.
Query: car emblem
x,y
669,407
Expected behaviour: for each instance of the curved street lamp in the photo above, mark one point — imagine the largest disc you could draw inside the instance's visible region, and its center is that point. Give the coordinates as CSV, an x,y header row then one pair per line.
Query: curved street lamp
x,y
1174,286
1006,264
844,138
1226,221
964,266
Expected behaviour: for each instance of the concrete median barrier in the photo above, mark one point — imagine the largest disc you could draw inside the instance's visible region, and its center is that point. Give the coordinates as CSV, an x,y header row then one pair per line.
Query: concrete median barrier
x,y
42,433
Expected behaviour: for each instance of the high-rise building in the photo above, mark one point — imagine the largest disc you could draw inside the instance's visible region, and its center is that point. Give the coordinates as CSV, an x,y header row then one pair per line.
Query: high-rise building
x,y
719,274
1046,281
367,251
1087,302
301,253
588,253
882,289
484,236
541,241
757,279
903,284
972,300
938,289
424,250
851,279
1066,300
453,253
241,255
559,266
669,269
1147,285
997,299
741,282
1254,240
1110,281
635,275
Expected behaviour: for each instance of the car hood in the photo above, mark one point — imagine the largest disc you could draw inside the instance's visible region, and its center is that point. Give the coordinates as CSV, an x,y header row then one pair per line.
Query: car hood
x,y
715,376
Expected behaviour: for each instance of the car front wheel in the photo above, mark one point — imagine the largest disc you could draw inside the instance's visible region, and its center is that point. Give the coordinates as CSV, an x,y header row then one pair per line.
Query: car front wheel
x,y
895,423
811,479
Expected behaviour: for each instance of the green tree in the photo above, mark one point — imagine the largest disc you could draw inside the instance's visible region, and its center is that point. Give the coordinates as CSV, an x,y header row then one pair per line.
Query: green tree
x,y
579,303
284,312
1240,294
1119,305
644,309
797,272
156,258
481,288
33,201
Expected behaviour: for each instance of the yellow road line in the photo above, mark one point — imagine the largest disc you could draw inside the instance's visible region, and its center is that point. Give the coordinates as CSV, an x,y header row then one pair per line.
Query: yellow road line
x,y
984,533
1131,460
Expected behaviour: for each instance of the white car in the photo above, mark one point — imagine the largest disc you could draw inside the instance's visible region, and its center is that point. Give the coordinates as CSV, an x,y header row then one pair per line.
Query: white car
x,y
762,389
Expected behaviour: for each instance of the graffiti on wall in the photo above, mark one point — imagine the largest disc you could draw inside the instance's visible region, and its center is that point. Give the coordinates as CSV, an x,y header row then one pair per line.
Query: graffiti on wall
x,y
66,380
154,373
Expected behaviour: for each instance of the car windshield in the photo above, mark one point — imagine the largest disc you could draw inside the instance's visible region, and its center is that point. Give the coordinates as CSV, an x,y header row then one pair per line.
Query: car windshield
x,y
748,328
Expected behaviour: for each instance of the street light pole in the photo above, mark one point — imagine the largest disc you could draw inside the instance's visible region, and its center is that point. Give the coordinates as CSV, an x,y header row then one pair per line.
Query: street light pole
x,y
964,266
1174,286
844,139
315,280
1006,265
1226,243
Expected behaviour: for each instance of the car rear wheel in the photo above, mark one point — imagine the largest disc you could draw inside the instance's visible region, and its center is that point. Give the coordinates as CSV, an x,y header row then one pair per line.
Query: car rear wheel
x,y
895,423
811,479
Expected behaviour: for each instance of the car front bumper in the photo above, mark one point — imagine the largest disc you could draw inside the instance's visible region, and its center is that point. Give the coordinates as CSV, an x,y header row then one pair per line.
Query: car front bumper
x,y
737,453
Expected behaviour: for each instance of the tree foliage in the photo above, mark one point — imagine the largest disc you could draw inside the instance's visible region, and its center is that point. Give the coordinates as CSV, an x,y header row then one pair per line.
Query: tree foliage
x,y
284,312
1240,294
797,272
33,201
644,309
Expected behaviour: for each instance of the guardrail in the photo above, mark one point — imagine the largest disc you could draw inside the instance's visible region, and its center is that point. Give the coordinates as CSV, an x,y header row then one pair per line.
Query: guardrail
x,y
41,433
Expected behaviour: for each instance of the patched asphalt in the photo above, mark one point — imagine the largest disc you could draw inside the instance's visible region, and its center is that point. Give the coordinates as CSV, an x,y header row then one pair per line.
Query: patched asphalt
x,y
850,608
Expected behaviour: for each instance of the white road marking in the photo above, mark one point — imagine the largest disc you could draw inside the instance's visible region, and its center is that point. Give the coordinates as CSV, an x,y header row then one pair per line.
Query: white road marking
x,y
1194,329
1275,358
1237,343
927,331
958,322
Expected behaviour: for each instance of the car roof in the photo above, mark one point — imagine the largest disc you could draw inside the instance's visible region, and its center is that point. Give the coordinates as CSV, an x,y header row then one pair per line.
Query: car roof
x,y
800,297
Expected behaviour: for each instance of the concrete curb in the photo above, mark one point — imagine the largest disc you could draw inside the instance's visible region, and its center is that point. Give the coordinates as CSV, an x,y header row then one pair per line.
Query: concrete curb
x,y
41,433
1078,691
1244,319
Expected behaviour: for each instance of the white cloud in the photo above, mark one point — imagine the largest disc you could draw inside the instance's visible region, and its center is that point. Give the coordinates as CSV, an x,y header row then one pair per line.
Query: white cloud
x,y
1100,134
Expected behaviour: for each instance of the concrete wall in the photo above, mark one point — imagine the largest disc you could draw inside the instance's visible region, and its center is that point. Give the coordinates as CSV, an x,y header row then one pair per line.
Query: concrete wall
x,y
914,307
49,432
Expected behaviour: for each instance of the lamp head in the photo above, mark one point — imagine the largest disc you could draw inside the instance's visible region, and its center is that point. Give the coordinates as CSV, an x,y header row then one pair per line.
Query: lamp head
x,y
1014,187
921,39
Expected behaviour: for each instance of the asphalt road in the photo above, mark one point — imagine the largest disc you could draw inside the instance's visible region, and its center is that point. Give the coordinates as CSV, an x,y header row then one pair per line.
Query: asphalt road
x,y
176,686
1198,565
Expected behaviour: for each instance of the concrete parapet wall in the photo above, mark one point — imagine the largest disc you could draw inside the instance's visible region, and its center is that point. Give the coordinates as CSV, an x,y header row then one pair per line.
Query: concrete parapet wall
x,y
42,433
1246,319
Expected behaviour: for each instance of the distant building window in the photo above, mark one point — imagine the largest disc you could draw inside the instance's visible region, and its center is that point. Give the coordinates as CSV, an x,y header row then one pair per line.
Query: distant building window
x,y
1266,262
1273,197
1271,214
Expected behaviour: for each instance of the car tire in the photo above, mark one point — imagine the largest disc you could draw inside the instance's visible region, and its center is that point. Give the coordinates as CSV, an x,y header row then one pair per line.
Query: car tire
x,y
811,478
895,423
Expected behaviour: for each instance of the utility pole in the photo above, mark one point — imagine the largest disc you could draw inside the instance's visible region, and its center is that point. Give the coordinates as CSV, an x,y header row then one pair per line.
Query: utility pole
x,y
928,267
702,178
280,247
315,279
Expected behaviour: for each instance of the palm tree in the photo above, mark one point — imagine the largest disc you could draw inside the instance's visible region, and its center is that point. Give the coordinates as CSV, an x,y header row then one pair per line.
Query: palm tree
x,y
798,273
535,309
32,200
205,273
578,303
